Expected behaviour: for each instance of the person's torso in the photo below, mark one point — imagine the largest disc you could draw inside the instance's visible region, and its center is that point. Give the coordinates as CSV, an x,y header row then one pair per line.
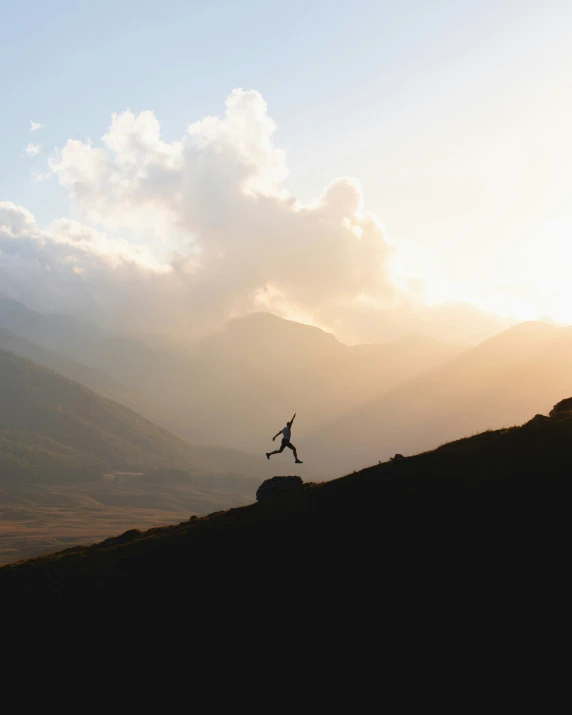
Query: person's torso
x,y
286,433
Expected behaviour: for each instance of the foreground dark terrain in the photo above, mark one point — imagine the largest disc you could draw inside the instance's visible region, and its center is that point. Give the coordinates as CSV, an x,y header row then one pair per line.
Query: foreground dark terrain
x,y
461,553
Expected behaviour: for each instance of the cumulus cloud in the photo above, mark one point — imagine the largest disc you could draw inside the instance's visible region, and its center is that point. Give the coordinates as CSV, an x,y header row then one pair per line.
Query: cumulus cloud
x,y
71,267
218,197
218,234
33,149
34,126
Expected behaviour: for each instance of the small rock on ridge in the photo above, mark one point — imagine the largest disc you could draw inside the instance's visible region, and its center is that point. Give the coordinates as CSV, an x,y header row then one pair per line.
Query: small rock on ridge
x,y
277,486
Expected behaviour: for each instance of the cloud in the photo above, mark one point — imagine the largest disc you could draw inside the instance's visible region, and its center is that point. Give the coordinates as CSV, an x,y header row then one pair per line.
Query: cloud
x,y
218,235
33,149
73,268
39,176
218,196
34,126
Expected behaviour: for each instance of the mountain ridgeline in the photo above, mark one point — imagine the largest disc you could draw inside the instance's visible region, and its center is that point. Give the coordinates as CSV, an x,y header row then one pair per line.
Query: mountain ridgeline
x,y
356,405
51,425
499,382
227,389
93,378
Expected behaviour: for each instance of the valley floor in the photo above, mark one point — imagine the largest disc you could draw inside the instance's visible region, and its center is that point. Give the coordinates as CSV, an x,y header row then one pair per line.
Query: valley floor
x,y
37,519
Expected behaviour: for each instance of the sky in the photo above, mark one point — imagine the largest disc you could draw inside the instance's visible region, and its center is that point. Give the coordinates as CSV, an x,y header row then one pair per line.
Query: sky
x,y
374,168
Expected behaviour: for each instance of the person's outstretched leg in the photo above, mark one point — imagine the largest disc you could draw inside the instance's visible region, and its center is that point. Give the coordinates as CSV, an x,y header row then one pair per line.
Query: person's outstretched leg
x,y
276,451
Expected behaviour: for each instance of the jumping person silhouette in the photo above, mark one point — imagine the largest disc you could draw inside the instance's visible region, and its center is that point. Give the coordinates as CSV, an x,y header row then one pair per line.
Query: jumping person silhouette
x,y
286,432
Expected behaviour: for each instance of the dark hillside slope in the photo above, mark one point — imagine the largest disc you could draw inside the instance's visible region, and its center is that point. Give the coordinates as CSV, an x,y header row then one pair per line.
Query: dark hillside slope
x,y
37,401
459,550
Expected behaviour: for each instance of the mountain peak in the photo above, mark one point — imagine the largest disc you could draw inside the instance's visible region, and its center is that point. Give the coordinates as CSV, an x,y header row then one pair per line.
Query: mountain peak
x,y
263,339
271,321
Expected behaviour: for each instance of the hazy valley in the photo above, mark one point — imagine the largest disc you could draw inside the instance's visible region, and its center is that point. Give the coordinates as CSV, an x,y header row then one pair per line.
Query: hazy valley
x,y
68,426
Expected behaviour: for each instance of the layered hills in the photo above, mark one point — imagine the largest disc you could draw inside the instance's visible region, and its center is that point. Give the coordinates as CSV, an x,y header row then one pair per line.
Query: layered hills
x,y
234,388
499,382
76,465
220,460
283,363
83,425
95,379
356,405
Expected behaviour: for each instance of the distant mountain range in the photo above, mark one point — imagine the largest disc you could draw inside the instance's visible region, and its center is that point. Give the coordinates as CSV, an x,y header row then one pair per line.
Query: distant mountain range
x,y
288,367
520,371
66,418
90,377
235,388
78,424
355,405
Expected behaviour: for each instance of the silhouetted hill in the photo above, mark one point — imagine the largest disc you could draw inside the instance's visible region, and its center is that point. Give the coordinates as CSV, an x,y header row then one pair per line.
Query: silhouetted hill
x,y
459,552
499,382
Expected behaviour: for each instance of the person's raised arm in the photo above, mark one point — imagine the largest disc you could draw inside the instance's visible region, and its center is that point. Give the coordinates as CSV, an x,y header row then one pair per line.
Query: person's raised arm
x,y
292,420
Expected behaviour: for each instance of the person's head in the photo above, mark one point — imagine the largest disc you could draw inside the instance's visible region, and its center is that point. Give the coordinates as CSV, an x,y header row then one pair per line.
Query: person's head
x,y
289,424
